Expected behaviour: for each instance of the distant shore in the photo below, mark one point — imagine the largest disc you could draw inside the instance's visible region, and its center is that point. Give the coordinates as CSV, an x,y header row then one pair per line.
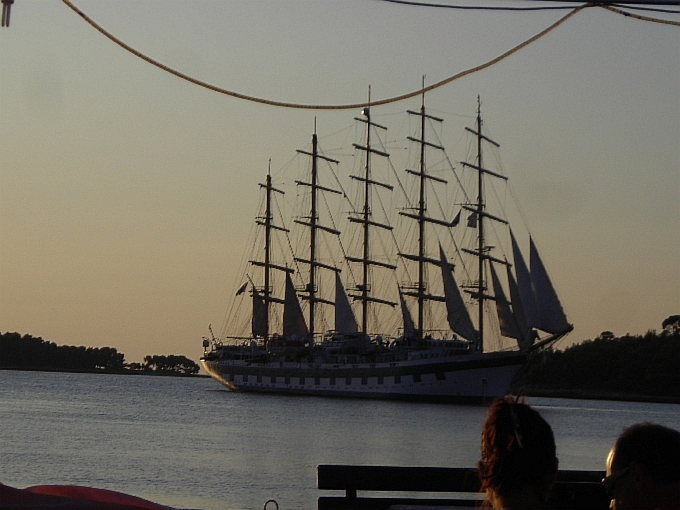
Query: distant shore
x,y
633,368
111,372
601,395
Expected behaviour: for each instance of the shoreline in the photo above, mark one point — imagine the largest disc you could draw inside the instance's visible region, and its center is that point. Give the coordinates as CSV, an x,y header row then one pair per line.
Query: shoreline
x,y
575,394
110,372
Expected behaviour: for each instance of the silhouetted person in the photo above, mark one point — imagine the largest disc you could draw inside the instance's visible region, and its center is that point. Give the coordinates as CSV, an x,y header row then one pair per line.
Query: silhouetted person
x,y
643,469
519,462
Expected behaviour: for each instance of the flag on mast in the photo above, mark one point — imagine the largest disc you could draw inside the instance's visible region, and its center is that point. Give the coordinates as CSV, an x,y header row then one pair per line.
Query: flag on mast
x,y
242,289
456,220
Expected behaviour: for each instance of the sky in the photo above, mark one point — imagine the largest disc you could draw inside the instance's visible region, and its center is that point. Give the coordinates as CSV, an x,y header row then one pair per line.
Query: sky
x,y
127,194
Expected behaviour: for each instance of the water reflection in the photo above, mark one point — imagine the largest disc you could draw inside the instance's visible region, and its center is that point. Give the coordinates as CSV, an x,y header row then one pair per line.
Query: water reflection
x,y
181,442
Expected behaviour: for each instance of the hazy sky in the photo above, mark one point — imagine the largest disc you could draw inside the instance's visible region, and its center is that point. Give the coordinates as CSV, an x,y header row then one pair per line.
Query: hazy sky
x,y
127,194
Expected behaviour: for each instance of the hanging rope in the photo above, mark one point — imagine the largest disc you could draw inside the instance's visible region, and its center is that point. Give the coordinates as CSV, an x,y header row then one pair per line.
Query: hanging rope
x,y
394,99
648,9
479,7
638,16
322,107
414,3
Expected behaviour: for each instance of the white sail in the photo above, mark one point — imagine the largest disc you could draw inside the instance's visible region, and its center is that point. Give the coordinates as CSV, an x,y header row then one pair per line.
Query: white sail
x,y
293,321
259,320
409,325
551,315
345,321
506,318
457,314
526,334
525,286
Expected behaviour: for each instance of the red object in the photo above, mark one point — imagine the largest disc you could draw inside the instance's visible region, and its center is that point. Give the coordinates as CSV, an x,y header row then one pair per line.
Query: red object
x,y
71,497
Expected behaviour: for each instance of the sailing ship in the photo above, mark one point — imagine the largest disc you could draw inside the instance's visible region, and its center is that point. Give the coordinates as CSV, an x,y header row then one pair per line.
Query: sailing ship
x,y
417,359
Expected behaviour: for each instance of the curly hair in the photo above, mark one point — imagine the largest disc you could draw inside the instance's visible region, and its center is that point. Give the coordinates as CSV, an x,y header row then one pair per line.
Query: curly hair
x,y
518,449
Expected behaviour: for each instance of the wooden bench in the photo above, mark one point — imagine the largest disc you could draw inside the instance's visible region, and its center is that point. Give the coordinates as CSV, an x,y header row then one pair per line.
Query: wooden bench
x,y
572,490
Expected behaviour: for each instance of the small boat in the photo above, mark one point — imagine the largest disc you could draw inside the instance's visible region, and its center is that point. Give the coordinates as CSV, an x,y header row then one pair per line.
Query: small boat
x,y
427,338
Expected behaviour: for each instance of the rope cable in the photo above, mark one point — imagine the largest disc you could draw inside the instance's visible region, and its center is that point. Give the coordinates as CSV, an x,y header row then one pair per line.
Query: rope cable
x,y
498,8
380,102
478,7
282,104
639,8
639,16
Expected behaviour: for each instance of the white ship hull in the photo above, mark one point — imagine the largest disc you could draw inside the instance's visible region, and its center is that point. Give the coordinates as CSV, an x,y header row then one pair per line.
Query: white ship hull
x,y
470,378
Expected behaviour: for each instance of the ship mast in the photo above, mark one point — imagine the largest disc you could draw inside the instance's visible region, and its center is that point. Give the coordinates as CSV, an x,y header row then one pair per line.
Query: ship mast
x,y
365,218
423,219
267,249
422,207
480,219
314,226
366,230
267,265
482,252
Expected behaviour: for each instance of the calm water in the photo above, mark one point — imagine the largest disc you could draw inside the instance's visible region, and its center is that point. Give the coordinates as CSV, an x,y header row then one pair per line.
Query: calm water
x,y
188,443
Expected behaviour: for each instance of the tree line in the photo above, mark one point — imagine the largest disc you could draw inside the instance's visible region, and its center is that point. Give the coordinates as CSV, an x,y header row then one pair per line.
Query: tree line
x,y
640,365
172,363
28,352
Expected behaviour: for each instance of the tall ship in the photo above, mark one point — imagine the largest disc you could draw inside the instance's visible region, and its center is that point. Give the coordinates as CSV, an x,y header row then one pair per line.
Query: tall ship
x,y
413,305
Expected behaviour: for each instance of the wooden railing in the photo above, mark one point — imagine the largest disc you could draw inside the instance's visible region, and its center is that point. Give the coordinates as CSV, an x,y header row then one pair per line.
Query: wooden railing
x,y
453,487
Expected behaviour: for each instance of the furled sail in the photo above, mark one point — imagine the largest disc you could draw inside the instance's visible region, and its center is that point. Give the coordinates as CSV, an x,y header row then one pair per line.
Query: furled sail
x,y
506,319
345,321
259,320
525,286
551,315
457,314
293,321
409,325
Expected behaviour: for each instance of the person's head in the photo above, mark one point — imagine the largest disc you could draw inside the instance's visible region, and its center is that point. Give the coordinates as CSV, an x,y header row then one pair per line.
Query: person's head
x,y
519,461
643,467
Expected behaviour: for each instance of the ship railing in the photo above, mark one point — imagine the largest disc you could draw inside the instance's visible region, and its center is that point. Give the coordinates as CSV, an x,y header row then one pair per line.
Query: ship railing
x,y
437,487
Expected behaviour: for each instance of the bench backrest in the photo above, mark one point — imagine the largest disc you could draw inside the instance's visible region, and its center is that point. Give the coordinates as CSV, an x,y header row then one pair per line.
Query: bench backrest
x,y
573,489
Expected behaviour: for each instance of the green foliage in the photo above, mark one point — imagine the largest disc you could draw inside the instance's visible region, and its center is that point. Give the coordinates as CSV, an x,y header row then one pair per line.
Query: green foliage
x,y
29,352
671,324
632,365
18,351
171,363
